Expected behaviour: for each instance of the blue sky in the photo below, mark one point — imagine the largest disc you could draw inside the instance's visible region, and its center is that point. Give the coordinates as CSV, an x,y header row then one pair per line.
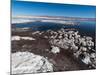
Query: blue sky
x,y
52,9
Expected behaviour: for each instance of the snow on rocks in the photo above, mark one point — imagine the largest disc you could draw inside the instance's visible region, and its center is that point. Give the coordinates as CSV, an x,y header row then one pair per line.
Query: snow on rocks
x,y
80,45
55,49
83,49
37,32
46,37
17,38
86,60
25,62
27,38
74,47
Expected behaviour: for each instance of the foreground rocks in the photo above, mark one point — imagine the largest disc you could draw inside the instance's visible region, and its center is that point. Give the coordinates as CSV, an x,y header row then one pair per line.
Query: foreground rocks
x,y
64,49
82,47
25,62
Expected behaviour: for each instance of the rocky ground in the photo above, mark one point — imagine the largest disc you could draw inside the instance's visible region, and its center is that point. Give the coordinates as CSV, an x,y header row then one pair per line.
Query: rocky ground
x,y
65,50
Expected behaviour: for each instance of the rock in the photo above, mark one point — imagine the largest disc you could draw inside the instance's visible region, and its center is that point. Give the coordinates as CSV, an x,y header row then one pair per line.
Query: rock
x,y
74,48
80,45
89,43
83,43
89,48
55,49
88,38
25,62
60,36
46,37
36,32
66,35
76,54
93,55
86,60
83,49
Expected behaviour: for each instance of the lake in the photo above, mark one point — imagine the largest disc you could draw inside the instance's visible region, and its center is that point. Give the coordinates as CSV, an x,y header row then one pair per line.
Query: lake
x,y
84,27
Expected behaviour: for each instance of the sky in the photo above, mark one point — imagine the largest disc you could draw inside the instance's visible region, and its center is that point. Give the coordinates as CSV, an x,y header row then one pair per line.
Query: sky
x,y
52,9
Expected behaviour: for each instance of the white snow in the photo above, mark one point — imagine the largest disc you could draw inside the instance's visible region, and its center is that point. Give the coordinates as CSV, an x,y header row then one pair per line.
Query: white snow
x,y
27,38
55,50
17,38
25,62
86,60
37,32
93,55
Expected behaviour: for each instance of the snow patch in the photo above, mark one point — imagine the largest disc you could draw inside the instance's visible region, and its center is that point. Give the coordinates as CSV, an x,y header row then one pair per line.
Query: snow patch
x,y
27,38
55,50
25,62
17,38
86,60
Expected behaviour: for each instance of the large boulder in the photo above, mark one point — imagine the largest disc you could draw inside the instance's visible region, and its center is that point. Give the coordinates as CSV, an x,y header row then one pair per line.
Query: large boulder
x,y
25,62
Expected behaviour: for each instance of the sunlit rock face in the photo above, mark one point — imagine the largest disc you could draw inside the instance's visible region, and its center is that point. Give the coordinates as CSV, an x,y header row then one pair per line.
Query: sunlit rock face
x,y
55,49
25,62
82,47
